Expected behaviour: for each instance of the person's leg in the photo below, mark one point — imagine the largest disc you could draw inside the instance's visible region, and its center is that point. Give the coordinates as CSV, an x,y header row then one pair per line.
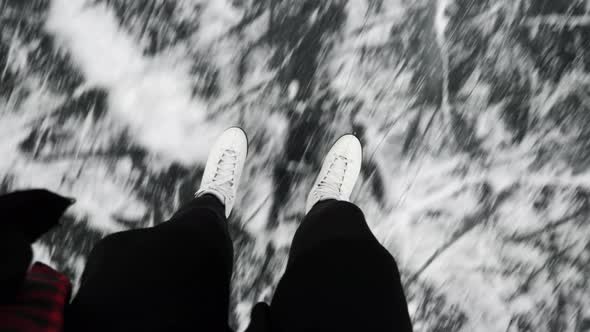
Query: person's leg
x,y
329,220
339,278
171,277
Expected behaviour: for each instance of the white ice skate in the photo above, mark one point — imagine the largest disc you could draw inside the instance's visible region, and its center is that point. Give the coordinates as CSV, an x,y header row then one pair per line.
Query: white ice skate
x,y
340,170
224,167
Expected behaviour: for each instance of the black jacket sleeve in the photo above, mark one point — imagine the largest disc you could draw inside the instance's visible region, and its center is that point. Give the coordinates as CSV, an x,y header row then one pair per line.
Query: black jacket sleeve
x,y
24,217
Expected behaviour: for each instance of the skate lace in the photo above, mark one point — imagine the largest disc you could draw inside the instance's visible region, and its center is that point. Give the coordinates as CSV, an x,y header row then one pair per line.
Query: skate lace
x,y
331,184
224,177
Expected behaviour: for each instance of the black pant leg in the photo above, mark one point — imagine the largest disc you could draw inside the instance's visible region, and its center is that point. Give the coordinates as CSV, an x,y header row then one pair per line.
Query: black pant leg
x,y
172,277
339,278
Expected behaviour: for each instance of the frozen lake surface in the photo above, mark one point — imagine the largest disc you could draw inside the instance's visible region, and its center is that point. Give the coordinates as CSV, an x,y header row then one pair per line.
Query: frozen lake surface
x,y
474,116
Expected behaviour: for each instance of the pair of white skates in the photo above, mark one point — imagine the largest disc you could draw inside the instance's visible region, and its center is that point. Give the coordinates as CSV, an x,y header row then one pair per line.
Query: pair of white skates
x,y
336,179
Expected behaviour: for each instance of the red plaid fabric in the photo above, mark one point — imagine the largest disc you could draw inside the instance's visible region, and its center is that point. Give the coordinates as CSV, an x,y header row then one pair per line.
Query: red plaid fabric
x,y
40,306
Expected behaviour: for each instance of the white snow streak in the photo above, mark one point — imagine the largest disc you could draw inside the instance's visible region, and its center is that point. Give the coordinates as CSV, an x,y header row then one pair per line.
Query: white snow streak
x,y
150,96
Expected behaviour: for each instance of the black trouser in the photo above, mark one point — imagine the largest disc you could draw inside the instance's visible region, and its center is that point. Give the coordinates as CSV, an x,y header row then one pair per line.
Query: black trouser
x,y
176,277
